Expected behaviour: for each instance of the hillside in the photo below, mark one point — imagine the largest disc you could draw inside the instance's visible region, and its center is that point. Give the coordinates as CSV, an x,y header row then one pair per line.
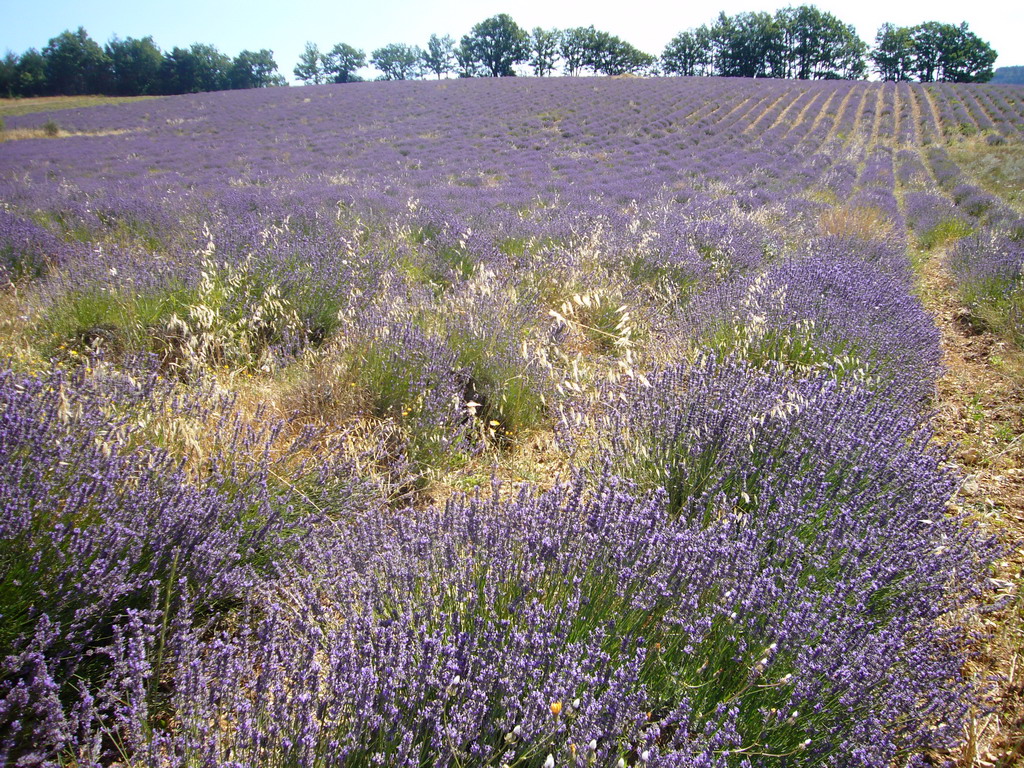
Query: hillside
x,y
532,422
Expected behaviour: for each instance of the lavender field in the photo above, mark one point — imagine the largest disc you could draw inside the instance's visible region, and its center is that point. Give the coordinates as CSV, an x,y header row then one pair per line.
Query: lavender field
x,y
492,422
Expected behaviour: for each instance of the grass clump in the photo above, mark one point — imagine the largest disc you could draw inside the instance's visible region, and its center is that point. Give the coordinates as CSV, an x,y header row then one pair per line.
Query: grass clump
x,y
945,232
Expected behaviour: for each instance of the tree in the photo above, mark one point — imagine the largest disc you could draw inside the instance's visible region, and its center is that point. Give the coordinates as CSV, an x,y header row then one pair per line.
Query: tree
x,y
211,67
497,43
439,57
964,57
135,66
932,51
466,63
31,73
612,56
75,64
398,62
254,69
818,45
927,39
688,53
893,54
9,75
748,45
544,45
195,69
574,48
310,67
341,62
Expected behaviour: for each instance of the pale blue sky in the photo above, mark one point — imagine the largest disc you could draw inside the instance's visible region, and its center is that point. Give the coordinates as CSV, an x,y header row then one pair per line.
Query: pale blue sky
x,y
284,27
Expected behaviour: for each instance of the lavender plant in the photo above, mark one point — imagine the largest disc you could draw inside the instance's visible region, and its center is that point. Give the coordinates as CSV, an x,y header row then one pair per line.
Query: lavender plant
x,y
987,268
283,316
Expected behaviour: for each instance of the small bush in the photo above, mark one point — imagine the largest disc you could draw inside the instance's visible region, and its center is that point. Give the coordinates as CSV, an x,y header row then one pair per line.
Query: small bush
x,y
51,129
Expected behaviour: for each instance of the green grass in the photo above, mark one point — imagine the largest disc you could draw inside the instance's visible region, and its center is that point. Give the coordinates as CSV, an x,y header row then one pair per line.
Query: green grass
x,y
12,107
945,232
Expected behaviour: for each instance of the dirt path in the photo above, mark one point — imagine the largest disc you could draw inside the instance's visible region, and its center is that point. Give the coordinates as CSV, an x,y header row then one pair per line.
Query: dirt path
x,y
979,409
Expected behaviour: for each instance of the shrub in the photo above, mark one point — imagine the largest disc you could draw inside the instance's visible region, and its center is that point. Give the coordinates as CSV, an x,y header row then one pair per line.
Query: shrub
x,y
108,542
599,627
988,269
27,251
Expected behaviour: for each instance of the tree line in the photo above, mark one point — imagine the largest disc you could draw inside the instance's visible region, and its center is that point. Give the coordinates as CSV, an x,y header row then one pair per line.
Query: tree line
x,y
801,43
73,63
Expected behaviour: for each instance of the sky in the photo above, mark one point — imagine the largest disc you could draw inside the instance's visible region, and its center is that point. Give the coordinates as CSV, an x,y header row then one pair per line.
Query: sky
x,y
286,26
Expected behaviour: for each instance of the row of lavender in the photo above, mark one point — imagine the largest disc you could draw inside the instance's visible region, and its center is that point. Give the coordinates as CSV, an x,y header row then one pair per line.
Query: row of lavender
x,y
284,323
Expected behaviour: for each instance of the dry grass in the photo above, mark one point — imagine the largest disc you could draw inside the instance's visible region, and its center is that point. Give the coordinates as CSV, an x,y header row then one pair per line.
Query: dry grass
x,y
18,134
855,221
999,168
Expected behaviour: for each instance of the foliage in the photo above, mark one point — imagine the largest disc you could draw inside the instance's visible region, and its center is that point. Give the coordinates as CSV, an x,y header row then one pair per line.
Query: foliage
x,y
497,44
196,69
310,67
802,43
254,69
75,64
341,62
439,57
398,62
544,44
135,65
820,46
689,53
932,51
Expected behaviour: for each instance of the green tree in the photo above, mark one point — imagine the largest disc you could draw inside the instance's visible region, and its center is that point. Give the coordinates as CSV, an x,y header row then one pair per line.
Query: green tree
x,y
310,68
575,47
75,64
893,54
964,57
544,45
9,75
598,46
439,57
748,45
31,74
610,55
927,39
397,61
196,69
135,66
466,62
254,69
689,53
211,67
819,46
498,44
341,62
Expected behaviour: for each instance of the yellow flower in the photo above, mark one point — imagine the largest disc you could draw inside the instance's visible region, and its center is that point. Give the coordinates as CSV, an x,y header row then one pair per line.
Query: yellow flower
x,y
556,708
